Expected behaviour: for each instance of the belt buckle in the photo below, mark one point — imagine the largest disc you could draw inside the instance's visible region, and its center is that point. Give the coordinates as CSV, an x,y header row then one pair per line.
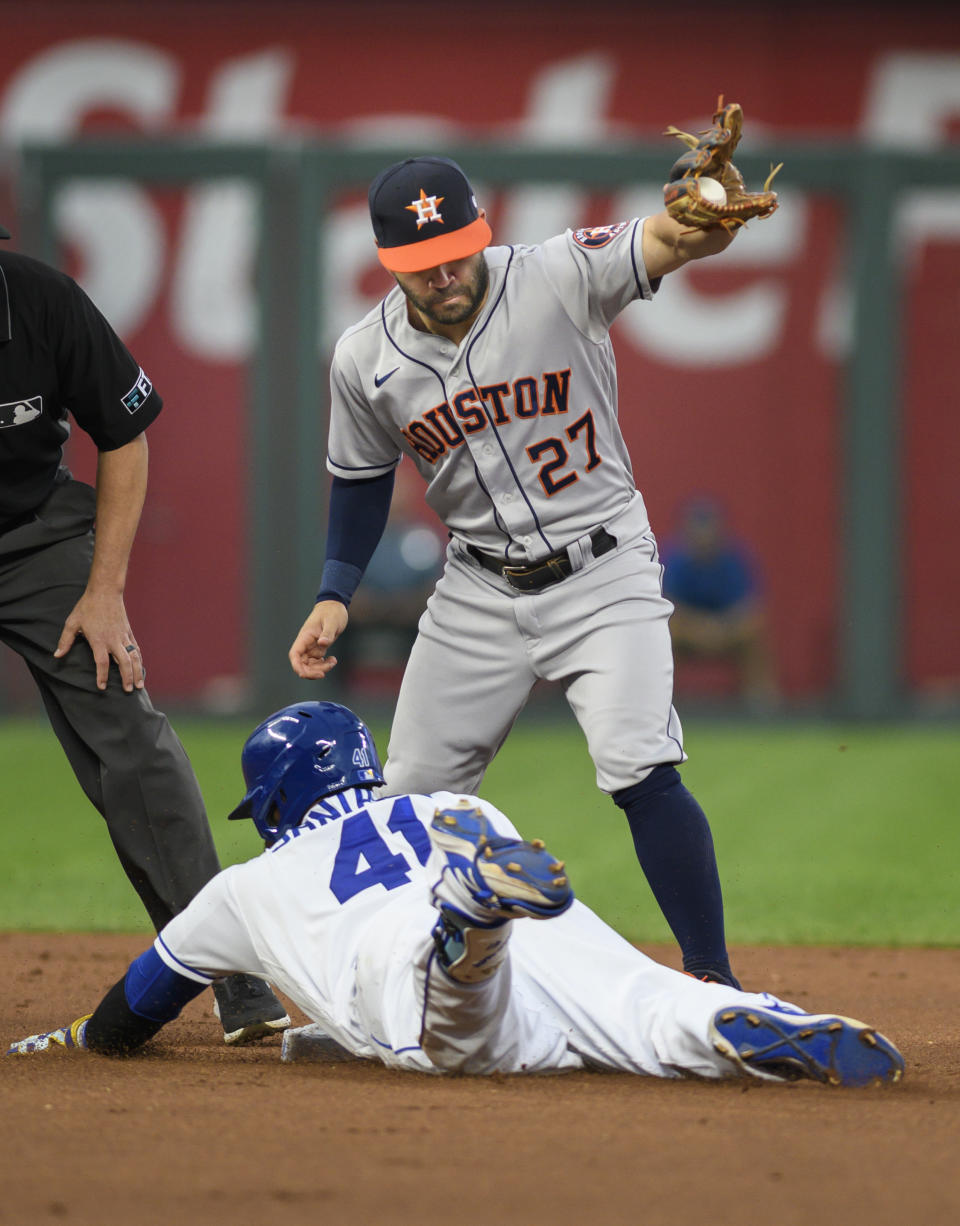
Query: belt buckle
x,y
513,572
555,565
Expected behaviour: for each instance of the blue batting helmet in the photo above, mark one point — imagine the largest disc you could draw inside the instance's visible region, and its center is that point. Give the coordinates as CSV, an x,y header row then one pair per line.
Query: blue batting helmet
x,y
298,756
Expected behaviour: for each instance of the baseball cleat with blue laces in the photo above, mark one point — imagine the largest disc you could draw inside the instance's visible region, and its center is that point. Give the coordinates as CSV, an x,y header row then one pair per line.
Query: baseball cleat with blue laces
x,y
823,1047
488,880
502,878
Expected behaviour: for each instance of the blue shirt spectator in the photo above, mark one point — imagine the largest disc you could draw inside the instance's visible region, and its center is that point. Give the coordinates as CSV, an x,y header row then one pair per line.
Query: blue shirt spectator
x,y
715,591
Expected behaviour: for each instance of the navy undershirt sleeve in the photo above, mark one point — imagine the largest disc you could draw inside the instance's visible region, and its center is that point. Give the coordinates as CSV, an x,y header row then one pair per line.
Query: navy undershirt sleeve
x,y
137,1006
356,519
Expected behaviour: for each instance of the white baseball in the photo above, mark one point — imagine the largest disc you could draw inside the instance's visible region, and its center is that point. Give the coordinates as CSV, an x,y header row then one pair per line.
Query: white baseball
x,y
712,191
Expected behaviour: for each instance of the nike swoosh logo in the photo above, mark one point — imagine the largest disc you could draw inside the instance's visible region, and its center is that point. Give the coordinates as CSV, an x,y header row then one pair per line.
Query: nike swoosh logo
x,y
380,382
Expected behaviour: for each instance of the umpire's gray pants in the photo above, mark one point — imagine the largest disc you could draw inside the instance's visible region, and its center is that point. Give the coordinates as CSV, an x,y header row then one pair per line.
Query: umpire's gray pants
x,y
123,751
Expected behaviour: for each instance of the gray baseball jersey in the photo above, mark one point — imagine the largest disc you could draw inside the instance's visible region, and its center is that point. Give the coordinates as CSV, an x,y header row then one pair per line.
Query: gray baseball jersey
x,y
515,431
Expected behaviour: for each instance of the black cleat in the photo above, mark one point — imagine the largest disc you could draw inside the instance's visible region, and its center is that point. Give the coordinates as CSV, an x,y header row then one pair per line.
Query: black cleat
x,y
247,1009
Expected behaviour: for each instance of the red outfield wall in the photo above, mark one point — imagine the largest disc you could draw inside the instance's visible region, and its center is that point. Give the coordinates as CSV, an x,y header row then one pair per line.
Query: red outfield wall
x,y
730,384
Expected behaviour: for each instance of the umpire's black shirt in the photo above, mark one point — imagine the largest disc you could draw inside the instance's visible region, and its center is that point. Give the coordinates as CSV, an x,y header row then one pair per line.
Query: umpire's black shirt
x,y
58,354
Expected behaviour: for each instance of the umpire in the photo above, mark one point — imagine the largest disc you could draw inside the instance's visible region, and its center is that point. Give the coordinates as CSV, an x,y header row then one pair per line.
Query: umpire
x,y
61,593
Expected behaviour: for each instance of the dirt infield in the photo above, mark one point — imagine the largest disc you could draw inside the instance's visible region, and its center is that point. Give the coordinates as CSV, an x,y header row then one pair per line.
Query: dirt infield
x,y
192,1132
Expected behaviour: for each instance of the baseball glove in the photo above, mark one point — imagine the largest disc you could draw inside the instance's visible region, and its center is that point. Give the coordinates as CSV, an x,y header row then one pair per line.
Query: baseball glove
x,y
708,157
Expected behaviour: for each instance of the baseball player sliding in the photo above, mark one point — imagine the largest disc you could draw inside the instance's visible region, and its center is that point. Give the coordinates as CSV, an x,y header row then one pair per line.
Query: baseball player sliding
x,y
390,923
492,369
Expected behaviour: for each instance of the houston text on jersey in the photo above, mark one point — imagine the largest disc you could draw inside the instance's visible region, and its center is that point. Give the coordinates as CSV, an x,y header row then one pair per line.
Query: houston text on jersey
x,y
444,426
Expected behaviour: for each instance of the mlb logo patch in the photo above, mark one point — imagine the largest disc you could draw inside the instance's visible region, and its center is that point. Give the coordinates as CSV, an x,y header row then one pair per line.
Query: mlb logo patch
x,y
134,399
20,412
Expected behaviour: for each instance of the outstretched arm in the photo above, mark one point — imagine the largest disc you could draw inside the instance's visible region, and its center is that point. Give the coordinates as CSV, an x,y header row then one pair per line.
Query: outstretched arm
x,y
668,245
148,996
355,523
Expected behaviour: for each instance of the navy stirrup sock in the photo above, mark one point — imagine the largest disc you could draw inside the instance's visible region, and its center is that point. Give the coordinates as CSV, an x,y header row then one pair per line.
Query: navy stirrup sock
x,y
675,849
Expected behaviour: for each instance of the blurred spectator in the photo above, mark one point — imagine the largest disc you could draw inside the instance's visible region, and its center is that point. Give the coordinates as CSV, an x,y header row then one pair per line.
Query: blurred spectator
x,y
718,608
396,585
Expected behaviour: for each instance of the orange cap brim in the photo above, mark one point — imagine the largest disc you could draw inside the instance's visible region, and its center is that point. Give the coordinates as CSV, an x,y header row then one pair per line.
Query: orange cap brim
x,y
416,257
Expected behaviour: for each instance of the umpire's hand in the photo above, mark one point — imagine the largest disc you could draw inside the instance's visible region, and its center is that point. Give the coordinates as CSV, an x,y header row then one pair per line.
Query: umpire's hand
x,y
101,618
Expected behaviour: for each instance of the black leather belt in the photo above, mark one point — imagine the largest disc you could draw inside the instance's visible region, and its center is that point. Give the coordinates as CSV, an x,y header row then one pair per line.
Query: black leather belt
x,y
551,569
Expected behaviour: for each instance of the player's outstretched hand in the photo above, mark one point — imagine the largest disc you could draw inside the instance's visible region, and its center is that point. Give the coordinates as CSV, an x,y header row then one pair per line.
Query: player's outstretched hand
x,y
308,655
70,1037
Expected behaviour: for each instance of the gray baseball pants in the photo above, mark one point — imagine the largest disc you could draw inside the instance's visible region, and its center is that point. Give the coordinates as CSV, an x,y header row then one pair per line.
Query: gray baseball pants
x,y
126,757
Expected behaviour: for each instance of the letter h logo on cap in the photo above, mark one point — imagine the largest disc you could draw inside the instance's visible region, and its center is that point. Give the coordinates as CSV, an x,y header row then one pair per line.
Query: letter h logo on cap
x,y
411,230
427,208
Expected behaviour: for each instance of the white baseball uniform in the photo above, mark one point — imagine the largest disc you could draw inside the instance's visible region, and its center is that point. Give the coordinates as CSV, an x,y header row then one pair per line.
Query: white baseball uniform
x,y
515,430
337,914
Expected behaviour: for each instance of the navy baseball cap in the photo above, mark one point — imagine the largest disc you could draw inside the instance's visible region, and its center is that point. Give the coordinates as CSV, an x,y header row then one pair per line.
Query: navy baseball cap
x,y
424,213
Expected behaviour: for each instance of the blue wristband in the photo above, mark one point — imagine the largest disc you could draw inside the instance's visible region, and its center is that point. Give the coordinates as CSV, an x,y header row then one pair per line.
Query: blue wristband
x,y
339,581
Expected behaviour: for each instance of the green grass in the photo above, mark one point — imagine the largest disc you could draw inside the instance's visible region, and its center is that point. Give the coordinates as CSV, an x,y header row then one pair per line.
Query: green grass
x,y
824,834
